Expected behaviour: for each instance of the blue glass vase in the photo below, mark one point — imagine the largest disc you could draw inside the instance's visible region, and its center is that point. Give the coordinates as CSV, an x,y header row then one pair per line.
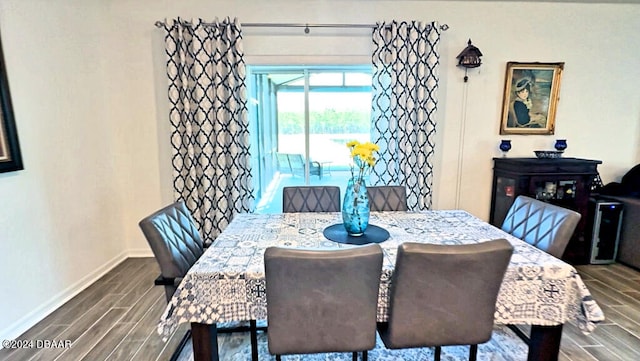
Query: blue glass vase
x,y
355,208
561,145
505,146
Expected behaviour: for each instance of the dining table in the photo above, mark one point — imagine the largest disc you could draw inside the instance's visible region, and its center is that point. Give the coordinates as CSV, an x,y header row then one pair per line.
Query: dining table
x,y
227,283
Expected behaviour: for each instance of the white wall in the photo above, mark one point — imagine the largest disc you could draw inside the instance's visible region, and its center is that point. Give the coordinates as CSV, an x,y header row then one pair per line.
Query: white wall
x,y
88,89
61,218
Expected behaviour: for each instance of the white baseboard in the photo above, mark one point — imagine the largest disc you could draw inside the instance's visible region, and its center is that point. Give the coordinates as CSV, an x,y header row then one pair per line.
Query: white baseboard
x,y
141,252
29,320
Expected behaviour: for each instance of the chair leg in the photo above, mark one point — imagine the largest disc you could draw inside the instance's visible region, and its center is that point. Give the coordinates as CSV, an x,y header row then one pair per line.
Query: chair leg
x,y
278,358
185,339
365,355
437,352
523,336
473,352
354,356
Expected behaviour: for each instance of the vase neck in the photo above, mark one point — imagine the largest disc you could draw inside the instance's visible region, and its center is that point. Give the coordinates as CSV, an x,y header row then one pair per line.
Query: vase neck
x,y
357,180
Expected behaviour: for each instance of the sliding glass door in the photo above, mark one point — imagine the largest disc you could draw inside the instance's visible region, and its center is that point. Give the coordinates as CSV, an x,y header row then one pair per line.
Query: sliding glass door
x,y
301,119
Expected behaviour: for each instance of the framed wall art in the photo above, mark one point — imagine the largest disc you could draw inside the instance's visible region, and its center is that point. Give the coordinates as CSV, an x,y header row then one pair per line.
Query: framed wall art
x,y
530,98
10,157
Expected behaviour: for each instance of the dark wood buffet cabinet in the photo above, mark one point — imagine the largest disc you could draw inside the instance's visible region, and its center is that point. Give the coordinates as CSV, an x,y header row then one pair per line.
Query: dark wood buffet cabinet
x,y
565,182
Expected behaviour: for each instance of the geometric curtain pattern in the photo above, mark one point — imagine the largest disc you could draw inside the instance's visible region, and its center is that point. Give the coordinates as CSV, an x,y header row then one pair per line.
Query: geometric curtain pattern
x,y
405,81
210,130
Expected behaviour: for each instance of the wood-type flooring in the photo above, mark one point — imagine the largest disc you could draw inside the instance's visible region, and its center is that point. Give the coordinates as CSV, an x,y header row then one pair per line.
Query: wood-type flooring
x,y
116,317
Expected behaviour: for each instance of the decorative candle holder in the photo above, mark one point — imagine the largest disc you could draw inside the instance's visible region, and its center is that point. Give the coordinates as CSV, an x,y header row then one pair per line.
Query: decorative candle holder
x,y
505,146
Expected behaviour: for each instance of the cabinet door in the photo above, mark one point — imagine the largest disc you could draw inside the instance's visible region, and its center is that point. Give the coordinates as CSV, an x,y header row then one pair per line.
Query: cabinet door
x,y
570,192
505,193
561,191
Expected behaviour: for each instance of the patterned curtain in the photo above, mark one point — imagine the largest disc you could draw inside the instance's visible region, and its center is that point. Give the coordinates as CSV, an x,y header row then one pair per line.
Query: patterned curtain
x,y
405,80
210,137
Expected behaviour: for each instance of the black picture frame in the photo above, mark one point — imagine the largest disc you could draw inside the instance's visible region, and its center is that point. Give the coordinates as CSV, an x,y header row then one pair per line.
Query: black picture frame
x,y
10,156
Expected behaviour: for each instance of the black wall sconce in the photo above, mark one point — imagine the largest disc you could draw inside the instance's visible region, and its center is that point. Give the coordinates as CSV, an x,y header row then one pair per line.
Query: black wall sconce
x,y
469,58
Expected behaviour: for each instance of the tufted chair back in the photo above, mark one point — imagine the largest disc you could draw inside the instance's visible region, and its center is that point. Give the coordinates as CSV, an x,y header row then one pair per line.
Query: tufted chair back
x,y
175,242
387,198
322,300
544,225
443,295
311,199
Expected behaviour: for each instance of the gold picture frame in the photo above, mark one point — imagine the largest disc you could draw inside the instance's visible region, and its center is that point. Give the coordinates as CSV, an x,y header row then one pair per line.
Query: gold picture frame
x,y
531,94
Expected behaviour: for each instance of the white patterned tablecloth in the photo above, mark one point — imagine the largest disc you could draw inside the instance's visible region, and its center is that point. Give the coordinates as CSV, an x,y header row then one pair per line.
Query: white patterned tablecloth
x,y
227,283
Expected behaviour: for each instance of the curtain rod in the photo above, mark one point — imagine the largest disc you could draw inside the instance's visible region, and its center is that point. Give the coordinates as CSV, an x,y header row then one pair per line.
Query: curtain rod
x,y
443,27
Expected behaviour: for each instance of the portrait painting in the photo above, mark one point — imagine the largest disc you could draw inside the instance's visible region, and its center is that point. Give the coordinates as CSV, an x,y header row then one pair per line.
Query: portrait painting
x,y
10,157
530,98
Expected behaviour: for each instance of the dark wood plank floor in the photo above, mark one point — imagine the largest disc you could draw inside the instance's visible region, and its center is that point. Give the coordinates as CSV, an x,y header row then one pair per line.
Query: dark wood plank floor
x,y
116,318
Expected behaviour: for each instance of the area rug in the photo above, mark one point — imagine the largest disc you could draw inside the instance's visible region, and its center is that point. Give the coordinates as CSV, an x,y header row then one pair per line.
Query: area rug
x,y
503,346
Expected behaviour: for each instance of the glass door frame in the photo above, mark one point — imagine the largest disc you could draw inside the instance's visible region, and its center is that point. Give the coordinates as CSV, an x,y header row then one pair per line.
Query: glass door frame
x,y
262,160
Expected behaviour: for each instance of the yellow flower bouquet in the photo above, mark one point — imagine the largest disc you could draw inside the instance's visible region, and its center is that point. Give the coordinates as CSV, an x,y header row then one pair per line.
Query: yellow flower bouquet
x,y
363,158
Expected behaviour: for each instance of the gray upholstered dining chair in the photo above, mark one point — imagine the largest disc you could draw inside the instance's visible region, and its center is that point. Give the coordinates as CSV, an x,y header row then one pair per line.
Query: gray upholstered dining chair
x,y
322,300
176,244
175,241
442,295
543,225
311,199
387,198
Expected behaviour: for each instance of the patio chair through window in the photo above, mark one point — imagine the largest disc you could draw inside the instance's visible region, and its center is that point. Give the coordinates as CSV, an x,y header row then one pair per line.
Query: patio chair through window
x,y
294,164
